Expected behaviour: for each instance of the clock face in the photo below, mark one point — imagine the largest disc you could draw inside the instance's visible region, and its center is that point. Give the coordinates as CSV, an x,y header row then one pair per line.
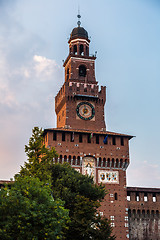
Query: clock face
x,y
85,110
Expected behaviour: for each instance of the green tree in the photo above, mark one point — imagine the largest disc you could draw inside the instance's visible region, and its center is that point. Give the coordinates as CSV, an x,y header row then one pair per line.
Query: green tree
x,y
29,211
39,158
82,197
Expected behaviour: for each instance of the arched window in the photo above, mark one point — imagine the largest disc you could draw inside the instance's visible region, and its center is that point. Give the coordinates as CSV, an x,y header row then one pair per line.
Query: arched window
x,y
70,159
138,213
121,163
75,49
117,163
152,213
133,213
78,160
82,71
129,212
148,213
104,162
157,213
74,160
126,163
100,162
81,49
60,159
143,213
112,162
65,158
108,165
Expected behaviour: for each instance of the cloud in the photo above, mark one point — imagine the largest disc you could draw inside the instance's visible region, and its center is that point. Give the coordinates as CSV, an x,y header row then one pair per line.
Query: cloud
x,y
44,68
146,173
26,100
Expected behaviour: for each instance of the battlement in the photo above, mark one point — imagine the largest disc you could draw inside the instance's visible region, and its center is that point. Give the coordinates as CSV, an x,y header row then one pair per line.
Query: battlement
x,y
73,89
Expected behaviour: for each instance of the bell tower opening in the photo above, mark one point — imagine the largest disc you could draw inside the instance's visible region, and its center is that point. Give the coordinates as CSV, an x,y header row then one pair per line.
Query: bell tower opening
x,y
81,48
82,71
75,50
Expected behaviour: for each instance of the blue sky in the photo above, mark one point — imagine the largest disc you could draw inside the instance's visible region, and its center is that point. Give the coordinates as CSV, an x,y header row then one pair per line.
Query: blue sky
x,y
33,43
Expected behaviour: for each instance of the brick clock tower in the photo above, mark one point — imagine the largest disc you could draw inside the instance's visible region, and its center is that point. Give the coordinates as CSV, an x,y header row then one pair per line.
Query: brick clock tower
x,y
81,138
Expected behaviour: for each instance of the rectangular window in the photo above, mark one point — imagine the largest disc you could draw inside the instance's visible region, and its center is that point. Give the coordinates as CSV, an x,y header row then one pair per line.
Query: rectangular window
x,y
126,224
137,197
112,218
128,196
80,138
112,224
97,139
154,197
63,136
89,138
54,136
145,197
113,140
122,141
72,137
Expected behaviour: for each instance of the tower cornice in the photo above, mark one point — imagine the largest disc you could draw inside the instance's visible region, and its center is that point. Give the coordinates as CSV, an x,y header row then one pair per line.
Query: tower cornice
x,y
80,57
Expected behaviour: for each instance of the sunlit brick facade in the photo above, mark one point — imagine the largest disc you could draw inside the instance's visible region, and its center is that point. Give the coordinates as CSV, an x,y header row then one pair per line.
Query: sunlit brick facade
x,y
81,138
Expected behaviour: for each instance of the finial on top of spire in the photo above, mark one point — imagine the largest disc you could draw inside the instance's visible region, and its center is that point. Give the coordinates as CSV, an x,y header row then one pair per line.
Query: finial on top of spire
x,y
79,16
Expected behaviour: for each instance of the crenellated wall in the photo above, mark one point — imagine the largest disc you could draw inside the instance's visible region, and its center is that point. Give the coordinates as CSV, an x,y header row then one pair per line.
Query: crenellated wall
x,y
144,213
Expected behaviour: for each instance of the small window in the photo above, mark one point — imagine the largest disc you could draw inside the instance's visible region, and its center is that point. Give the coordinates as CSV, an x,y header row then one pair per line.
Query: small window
x,y
67,73
126,225
154,197
63,136
114,140
128,196
115,196
112,224
122,141
111,218
54,136
145,197
82,71
72,137
89,138
97,139
80,138
137,197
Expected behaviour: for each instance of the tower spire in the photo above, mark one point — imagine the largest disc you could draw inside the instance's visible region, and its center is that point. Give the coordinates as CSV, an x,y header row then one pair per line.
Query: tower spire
x,y
79,16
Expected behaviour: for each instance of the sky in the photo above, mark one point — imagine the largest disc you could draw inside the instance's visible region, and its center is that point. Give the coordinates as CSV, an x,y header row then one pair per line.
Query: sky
x,y
33,43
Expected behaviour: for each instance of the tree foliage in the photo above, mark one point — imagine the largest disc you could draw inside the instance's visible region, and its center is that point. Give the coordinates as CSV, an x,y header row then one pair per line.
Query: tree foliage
x,y
82,197
28,211
39,158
